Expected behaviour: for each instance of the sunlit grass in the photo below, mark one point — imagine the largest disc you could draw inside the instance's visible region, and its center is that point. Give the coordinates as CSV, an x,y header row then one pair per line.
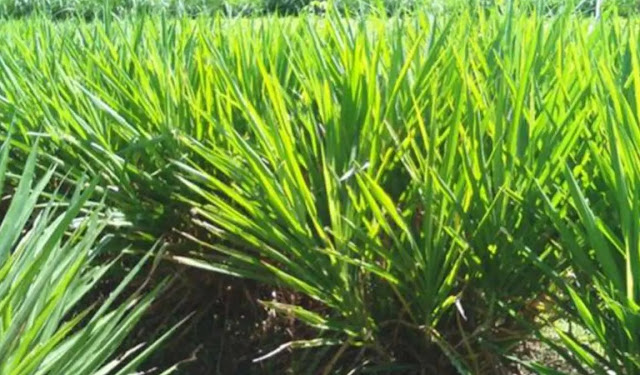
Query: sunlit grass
x,y
433,182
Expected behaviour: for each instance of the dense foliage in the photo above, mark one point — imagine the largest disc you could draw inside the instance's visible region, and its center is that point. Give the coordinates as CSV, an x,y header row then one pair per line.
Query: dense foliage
x,y
91,9
46,275
436,190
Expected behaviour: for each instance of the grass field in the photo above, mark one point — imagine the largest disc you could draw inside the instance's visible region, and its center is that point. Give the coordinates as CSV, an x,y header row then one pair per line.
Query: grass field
x,y
98,9
321,194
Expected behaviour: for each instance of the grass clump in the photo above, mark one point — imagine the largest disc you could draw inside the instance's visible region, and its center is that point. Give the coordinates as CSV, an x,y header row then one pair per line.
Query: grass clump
x,y
434,190
46,276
